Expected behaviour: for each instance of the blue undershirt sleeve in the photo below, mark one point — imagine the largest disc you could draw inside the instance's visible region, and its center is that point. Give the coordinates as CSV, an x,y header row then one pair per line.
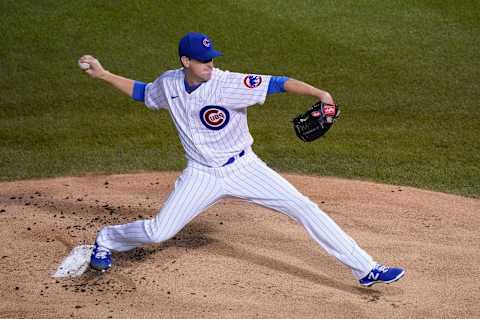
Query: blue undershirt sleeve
x,y
276,84
138,93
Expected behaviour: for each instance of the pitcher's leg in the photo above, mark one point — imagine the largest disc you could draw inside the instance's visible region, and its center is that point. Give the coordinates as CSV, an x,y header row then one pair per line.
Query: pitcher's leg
x,y
263,186
193,193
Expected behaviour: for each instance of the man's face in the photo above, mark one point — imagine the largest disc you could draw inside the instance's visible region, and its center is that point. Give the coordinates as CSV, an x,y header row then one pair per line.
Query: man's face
x,y
202,70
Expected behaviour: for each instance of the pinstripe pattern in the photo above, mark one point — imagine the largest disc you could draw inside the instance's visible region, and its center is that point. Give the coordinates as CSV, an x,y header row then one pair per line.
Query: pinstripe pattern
x,y
193,193
260,184
206,180
247,178
226,89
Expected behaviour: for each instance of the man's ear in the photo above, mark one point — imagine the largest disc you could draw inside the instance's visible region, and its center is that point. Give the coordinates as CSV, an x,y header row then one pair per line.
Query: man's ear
x,y
185,61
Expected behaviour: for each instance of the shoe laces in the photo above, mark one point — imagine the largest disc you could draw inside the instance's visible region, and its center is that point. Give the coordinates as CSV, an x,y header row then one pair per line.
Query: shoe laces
x,y
101,252
381,268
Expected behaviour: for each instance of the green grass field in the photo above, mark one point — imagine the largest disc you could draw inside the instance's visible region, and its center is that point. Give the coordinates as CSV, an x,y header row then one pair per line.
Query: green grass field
x,y
406,74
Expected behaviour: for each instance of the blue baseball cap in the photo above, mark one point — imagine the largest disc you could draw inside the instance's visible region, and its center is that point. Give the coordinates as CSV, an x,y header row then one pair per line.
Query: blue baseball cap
x,y
197,46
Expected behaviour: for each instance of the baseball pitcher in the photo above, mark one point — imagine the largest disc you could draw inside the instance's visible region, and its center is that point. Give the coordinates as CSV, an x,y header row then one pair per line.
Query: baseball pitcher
x,y
209,109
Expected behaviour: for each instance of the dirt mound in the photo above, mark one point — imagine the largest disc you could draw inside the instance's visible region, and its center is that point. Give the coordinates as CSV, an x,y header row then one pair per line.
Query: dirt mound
x,y
237,260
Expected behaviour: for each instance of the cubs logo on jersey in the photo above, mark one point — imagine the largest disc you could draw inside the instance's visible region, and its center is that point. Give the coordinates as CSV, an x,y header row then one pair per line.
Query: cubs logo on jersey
x,y
214,117
252,81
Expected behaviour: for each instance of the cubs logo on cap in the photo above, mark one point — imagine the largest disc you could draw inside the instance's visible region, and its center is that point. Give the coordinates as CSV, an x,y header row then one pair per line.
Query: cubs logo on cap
x,y
197,46
214,117
206,42
252,81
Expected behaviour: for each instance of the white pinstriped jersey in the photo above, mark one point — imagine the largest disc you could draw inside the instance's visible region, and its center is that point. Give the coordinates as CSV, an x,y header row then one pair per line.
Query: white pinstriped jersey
x,y
212,125
212,120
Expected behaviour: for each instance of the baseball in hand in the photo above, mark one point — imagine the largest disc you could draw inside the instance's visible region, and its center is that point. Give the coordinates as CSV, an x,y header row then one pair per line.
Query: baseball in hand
x,y
83,65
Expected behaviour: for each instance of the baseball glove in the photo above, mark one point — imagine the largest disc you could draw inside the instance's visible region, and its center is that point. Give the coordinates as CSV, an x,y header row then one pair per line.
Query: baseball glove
x,y
315,122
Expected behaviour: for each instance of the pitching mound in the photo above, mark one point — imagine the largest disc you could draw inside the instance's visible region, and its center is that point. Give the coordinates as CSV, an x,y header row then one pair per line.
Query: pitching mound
x,y
237,260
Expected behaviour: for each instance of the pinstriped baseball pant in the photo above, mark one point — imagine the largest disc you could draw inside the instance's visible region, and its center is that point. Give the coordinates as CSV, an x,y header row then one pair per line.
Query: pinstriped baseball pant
x,y
249,178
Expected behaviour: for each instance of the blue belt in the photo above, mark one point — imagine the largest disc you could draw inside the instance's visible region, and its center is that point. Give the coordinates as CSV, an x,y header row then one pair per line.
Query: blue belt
x,y
232,159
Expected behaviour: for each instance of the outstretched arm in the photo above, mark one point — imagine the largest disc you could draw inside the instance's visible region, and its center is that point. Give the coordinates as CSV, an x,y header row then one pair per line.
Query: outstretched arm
x,y
96,70
302,88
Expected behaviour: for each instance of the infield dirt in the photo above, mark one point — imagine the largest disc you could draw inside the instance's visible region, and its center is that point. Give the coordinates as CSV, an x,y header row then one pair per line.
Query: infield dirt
x,y
237,260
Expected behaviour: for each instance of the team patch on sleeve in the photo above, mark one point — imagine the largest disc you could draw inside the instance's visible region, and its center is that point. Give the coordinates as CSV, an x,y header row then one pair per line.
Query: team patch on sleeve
x,y
214,117
252,81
